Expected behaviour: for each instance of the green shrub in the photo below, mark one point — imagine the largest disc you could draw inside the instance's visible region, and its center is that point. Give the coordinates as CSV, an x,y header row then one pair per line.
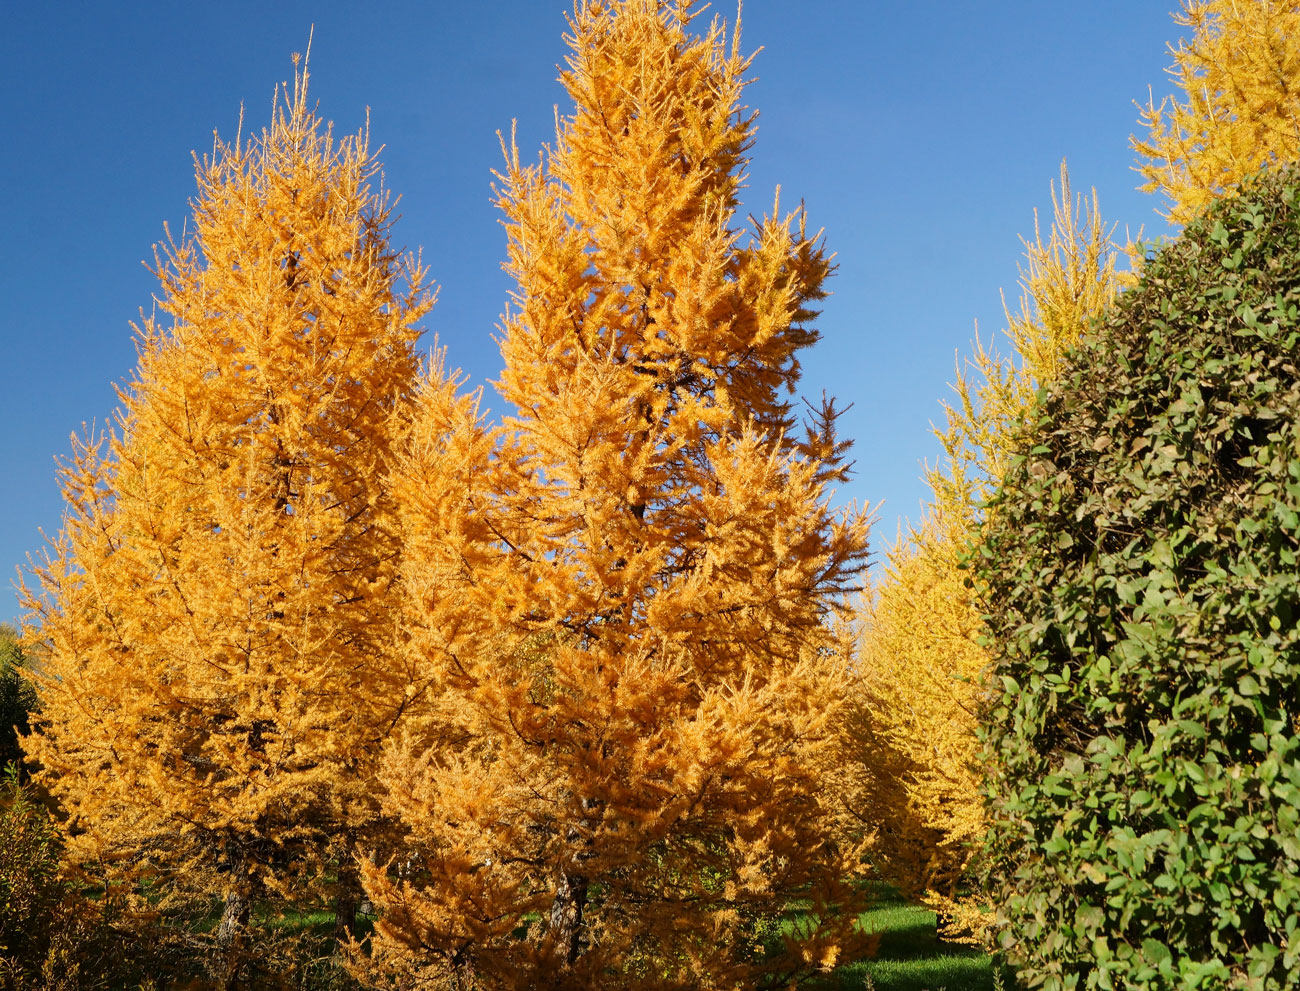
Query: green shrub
x,y
31,893
17,696
52,936
1141,573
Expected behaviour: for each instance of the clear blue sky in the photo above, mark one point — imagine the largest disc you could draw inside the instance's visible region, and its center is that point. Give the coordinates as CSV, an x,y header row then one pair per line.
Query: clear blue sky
x,y
921,133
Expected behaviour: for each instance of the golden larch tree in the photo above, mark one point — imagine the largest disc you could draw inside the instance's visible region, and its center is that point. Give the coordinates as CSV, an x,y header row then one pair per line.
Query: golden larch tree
x,y
626,588
913,769
1239,74
1067,279
218,613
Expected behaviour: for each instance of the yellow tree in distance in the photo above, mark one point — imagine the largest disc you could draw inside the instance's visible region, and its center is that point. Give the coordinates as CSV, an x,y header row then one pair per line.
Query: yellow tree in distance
x,y
913,769
920,688
1067,280
1239,74
913,731
626,589
218,613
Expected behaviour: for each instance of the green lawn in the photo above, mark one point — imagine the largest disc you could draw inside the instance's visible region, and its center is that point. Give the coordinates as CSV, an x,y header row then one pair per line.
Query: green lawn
x,y
911,957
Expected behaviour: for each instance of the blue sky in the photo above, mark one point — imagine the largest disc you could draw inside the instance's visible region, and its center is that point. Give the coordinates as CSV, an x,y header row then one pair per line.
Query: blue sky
x,y
921,134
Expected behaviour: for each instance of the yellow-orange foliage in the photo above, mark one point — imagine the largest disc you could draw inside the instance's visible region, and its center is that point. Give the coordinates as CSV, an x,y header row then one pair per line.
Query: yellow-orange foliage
x,y
1240,78
1067,280
914,773
625,589
218,612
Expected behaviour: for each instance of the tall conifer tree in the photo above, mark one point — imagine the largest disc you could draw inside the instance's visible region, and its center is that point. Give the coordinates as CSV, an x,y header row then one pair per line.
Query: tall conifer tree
x,y
626,588
218,610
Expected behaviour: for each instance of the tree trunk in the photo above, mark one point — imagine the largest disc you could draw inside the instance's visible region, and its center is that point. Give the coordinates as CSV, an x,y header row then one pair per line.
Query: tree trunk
x,y
231,938
566,915
941,919
347,901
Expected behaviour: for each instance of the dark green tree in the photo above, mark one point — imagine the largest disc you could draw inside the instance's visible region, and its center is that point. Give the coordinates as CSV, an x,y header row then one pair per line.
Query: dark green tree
x,y
54,935
1139,577
17,695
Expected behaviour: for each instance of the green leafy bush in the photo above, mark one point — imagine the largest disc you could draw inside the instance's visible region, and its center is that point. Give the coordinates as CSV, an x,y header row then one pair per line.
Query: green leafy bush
x,y
1141,574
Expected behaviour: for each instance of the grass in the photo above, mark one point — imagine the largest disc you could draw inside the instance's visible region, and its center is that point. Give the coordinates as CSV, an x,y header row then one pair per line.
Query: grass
x,y
911,957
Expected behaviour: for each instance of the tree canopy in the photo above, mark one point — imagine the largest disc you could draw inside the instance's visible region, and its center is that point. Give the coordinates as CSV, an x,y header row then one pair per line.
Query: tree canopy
x,y
625,587
1239,74
216,616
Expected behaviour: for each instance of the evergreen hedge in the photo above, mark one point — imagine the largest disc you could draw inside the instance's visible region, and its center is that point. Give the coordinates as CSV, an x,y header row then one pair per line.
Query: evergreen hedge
x,y
1141,576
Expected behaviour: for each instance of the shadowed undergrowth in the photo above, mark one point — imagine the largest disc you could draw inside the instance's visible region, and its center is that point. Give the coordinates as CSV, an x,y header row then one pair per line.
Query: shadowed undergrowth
x,y
911,957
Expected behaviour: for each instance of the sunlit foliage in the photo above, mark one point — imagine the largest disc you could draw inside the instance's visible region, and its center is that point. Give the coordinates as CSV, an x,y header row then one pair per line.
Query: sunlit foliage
x,y
626,588
1067,280
1239,109
913,746
218,613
